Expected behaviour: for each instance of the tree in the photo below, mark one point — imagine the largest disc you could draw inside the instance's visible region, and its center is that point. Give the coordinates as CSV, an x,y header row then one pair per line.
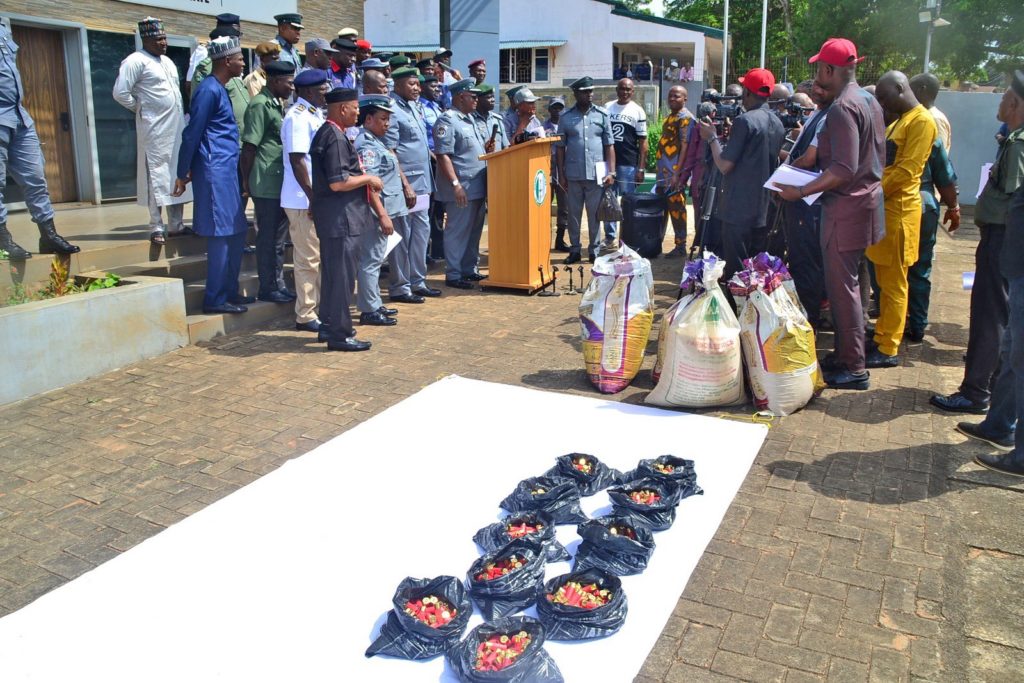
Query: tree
x,y
640,6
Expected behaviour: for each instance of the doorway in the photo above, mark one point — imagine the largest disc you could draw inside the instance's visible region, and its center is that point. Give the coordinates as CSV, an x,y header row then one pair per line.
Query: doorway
x,y
45,79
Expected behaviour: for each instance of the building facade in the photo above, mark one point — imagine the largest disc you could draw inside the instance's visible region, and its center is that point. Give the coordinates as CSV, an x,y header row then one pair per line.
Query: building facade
x,y
69,55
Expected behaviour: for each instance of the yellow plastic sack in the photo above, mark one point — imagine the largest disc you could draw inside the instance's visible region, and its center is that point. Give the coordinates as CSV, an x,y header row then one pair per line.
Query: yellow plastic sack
x,y
616,314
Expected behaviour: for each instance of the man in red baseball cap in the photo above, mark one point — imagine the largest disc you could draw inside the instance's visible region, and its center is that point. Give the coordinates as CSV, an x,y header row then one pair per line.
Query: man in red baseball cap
x,y
746,162
851,152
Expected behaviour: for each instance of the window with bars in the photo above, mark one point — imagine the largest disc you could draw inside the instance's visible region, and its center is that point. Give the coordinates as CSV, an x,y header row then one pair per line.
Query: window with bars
x,y
525,65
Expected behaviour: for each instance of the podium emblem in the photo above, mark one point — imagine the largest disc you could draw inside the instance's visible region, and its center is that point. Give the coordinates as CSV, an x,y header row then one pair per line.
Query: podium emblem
x,y
540,187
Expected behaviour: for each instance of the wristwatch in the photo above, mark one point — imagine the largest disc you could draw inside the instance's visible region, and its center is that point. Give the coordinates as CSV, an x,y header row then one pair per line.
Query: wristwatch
x,y
456,183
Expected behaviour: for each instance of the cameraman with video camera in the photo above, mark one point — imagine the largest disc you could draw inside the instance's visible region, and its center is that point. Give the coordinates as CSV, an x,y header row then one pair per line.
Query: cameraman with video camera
x,y
749,159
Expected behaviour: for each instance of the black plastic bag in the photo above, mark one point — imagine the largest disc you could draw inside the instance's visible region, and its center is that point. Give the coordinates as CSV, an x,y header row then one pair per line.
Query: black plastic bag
x,y
495,536
557,496
622,552
609,210
502,596
534,665
670,467
656,516
590,474
565,622
405,636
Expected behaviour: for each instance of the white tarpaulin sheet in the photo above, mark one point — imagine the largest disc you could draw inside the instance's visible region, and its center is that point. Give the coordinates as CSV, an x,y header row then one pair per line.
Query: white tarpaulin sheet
x,y
290,577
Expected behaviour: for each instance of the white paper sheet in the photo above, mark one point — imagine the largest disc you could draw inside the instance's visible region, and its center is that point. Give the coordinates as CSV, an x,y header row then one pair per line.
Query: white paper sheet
x,y
422,203
986,169
600,171
791,175
290,577
393,240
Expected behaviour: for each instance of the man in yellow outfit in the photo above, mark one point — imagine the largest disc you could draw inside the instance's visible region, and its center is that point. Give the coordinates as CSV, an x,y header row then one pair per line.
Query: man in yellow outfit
x,y
908,143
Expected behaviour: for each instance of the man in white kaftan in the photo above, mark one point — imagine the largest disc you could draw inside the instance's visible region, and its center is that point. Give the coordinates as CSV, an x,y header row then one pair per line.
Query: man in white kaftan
x,y
147,84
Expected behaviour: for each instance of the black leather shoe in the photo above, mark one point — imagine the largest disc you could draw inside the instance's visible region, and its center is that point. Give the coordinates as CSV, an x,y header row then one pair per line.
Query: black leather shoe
x,y
288,293
248,249
474,277
276,297
311,326
242,300
376,318
1003,443
7,243
459,284
591,257
427,292
844,379
407,299
350,344
224,308
876,359
915,336
1001,463
384,310
562,248
52,243
830,363
958,403
573,257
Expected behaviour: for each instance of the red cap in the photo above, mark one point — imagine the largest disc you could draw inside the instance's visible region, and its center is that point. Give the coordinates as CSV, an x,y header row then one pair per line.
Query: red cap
x,y
759,81
475,62
364,45
837,52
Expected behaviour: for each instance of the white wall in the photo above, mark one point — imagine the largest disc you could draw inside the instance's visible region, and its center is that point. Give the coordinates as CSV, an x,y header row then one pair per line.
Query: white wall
x,y
402,22
972,116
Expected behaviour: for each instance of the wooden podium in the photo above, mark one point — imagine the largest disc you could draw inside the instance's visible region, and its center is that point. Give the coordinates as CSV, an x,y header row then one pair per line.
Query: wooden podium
x,y
519,216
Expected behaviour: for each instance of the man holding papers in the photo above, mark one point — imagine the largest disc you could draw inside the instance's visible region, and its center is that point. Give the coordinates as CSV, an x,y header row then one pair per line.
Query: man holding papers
x,y
851,151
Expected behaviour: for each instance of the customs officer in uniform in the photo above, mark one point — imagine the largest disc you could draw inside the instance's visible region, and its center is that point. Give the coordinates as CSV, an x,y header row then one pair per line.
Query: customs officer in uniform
x,y
341,203
289,31
488,123
377,159
407,138
586,138
22,159
461,185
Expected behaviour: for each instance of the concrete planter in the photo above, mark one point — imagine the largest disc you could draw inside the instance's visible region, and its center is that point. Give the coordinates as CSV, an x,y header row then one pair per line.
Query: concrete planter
x,y
53,343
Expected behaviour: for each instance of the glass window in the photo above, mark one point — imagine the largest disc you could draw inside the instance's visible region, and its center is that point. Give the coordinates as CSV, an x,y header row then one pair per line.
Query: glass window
x,y
113,122
540,65
505,66
522,61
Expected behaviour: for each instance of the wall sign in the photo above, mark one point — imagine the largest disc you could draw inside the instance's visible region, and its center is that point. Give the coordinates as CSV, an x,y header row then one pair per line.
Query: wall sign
x,y
261,11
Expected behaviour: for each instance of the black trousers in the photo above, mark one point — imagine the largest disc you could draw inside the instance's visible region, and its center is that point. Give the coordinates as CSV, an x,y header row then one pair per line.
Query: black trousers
x,y
272,227
990,311
337,285
802,226
740,241
436,229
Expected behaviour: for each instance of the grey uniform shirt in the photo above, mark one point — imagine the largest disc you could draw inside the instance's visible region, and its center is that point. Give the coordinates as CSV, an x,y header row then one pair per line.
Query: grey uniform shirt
x,y
456,135
289,53
407,135
754,144
584,137
12,113
512,124
485,126
380,161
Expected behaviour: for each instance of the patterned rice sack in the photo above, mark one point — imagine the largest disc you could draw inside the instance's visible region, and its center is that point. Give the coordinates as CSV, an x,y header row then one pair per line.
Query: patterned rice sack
x,y
699,357
778,342
616,315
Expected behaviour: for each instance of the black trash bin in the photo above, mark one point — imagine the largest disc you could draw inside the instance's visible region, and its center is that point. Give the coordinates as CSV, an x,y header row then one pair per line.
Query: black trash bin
x,y
644,220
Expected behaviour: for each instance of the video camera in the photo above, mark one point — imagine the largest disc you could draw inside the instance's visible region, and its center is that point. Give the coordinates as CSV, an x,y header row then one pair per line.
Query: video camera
x,y
795,115
718,108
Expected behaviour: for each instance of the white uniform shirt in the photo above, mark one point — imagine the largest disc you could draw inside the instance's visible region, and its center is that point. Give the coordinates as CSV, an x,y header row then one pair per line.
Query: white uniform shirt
x,y
300,124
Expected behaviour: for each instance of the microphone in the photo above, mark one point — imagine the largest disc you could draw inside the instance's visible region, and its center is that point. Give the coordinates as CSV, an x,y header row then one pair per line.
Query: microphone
x,y
494,132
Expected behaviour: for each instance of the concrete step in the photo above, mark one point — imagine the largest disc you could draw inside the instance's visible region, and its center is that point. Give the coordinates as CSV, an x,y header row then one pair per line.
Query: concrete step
x,y
202,327
248,285
187,268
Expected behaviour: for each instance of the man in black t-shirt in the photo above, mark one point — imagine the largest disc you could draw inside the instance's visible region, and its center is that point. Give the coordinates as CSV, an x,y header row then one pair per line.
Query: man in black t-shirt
x,y
749,159
345,202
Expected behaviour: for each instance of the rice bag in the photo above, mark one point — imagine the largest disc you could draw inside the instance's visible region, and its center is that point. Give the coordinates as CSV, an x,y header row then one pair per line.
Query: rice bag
x,y
778,342
699,355
616,314
537,524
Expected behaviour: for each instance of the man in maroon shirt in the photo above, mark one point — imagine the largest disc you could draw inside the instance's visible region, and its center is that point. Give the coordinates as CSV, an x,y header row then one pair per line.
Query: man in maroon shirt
x,y
851,152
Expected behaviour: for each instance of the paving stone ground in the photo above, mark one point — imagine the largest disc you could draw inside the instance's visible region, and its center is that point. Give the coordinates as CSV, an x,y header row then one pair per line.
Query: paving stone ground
x,y
862,546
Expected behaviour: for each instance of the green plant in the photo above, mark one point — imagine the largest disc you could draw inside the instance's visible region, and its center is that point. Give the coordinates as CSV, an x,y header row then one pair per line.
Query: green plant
x,y
18,295
653,136
4,255
59,273
106,282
